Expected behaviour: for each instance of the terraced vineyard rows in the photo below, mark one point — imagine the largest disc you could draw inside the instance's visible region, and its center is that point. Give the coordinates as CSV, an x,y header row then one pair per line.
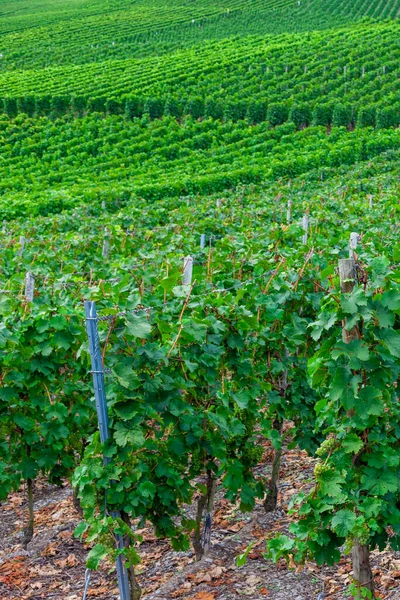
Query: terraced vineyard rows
x,y
125,29
49,165
254,78
200,180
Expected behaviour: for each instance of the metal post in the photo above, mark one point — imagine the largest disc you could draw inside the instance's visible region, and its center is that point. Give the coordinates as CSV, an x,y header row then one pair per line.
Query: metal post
x,y
202,241
102,415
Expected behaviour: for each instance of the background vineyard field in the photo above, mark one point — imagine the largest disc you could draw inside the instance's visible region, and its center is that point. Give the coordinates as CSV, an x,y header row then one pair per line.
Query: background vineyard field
x,y
47,33
197,168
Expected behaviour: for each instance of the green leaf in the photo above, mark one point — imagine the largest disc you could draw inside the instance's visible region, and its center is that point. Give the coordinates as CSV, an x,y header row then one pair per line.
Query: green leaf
x,y
181,291
242,399
97,553
331,483
352,443
356,348
391,339
177,446
370,401
391,299
379,481
124,435
327,272
125,410
126,376
279,546
385,317
343,522
80,529
168,283
242,558
138,326
147,489
351,302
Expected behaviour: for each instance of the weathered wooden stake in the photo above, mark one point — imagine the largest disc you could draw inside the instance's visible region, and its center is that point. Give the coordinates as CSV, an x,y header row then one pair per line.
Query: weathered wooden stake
x,y
187,270
353,244
29,287
22,245
362,572
346,274
106,243
360,553
305,228
289,211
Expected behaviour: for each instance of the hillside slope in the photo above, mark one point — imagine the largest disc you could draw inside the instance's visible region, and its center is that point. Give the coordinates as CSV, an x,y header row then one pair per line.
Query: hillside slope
x,y
196,169
40,34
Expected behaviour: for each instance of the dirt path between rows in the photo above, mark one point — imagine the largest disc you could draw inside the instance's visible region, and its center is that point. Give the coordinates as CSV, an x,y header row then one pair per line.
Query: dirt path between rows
x,y
53,566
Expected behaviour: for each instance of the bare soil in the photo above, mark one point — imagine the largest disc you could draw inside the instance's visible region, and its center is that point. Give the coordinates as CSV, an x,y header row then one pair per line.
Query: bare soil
x,y
53,565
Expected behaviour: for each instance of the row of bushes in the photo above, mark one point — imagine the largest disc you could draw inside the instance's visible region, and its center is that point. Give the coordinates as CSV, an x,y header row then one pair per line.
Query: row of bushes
x,y
333,113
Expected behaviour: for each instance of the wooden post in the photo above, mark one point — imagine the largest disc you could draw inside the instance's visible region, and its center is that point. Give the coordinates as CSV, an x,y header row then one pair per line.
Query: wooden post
x,y
353,244
29,287
347,268
305,228
202,241
289,211
360,553
362,572
22,245
106,244
187,270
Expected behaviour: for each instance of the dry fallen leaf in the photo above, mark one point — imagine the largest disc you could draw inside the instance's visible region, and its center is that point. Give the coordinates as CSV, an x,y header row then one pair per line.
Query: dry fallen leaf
x,y
203,578
387,581
237,526
203,596
177,593
217,572
253,580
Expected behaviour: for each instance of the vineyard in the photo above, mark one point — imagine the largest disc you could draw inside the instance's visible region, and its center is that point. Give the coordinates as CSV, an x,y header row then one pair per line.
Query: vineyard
x,y
199,299
41,34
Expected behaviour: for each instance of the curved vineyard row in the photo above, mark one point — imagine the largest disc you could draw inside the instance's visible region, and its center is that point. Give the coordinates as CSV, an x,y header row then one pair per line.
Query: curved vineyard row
x,y
50,165
223,79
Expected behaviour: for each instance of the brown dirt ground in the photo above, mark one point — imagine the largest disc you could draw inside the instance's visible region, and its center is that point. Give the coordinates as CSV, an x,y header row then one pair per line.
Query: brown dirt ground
x,y
53,566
